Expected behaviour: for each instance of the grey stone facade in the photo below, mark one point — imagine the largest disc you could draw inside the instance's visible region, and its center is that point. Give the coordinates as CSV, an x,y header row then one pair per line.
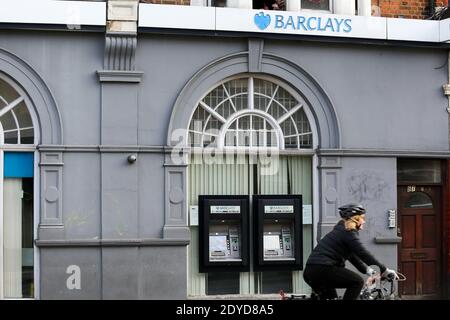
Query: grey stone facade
x,y
125,225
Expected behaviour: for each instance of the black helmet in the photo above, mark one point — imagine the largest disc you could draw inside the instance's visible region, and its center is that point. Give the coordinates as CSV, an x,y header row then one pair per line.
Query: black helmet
x,y
350,210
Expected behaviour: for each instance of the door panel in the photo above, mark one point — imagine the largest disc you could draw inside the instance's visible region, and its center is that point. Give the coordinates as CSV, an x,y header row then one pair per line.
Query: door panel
x,y
429,235
430,272
419,252
409,231
409,270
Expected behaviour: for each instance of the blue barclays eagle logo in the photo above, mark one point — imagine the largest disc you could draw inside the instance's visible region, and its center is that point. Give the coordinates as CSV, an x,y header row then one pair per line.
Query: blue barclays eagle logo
x,y
262,20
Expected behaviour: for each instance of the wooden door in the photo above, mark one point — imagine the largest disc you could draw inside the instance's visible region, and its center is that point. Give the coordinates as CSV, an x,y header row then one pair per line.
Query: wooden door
x,y
420,251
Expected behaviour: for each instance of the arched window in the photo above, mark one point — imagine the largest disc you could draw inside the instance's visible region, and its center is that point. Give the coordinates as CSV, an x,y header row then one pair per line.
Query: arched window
x,y
419,200
16,124
252,113
17,185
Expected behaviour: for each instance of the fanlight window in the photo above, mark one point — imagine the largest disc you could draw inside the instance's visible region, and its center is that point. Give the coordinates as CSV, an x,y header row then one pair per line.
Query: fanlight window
x,y
419,200
250,112
15,119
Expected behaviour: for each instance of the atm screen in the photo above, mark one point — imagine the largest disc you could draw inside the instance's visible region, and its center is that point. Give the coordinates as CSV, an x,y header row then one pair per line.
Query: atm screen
x,y
218,243
271,242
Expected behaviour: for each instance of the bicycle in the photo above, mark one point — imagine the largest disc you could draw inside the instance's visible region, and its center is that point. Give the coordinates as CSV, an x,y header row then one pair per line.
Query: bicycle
x,y
374,289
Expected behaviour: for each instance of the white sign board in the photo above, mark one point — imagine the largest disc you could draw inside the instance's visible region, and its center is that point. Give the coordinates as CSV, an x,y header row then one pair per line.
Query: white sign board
x,y
225,209
278,209
70,13
307,214
291,23
392,218
177,17
300,23
193,216
412,30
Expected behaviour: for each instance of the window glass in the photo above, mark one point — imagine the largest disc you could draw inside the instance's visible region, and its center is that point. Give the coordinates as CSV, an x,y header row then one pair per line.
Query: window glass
x,y
8,121
23,116
7,92
419,171
269,4
11,137
14,116
27,136
316,4
419,200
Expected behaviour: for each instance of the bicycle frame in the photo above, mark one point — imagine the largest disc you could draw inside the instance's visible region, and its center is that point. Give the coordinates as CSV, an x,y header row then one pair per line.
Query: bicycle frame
x,y
374,289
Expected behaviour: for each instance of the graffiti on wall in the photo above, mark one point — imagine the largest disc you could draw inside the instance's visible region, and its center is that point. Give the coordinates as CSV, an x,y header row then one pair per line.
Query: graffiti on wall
x,y
366,186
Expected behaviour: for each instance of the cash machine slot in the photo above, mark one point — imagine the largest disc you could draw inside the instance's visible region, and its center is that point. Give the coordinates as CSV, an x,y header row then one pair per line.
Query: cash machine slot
x,y
224,243
223,233
277,232
277,243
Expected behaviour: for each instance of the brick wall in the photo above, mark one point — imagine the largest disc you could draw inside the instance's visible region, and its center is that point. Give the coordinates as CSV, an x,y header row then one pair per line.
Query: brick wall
x,y
410,9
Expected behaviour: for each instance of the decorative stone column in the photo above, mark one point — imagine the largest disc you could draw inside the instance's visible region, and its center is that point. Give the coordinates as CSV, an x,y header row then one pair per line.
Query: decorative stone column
x,y
122,16
344,7
176,211
51,225
330,169
119,100
293,5
364,8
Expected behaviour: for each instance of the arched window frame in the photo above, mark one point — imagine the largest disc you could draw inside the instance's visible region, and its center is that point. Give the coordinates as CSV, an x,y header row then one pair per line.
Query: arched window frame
x,y
226,123
10,107
18,147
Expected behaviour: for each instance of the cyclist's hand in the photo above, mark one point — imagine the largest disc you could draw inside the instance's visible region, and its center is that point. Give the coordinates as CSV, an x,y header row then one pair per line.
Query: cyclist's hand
x,y
370,272
371,281
390,274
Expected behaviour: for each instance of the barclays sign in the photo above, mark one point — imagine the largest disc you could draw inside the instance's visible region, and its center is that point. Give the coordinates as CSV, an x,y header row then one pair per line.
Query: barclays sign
x,y
277,22
302,23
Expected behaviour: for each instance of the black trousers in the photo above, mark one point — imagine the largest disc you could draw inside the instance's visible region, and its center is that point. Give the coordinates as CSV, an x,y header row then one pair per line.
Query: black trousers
x,y
324,280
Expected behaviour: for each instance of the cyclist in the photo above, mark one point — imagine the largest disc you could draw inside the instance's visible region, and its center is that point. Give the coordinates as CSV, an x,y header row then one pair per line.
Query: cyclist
x,y
325,269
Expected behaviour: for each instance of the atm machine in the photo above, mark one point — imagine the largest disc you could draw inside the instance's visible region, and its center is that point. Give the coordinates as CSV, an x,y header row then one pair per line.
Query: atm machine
x,y
277,230
223,233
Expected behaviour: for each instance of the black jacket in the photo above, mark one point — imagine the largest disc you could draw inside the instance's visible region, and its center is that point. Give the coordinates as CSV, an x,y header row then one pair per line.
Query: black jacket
x,y
340,245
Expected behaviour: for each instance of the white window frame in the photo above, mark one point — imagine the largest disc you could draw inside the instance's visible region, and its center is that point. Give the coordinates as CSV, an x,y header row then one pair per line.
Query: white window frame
x,y
36,182
251,111
242,113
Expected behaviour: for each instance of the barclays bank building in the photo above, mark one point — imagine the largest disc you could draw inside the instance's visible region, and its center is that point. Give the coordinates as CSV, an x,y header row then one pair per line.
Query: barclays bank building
x,y
168,152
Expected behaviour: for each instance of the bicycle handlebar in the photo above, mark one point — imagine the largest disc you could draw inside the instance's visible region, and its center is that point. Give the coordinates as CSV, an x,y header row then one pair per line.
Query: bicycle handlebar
x,y
397,276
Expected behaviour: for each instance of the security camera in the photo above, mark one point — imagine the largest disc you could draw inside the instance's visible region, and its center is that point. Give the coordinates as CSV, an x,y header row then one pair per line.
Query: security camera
x,y
132,158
